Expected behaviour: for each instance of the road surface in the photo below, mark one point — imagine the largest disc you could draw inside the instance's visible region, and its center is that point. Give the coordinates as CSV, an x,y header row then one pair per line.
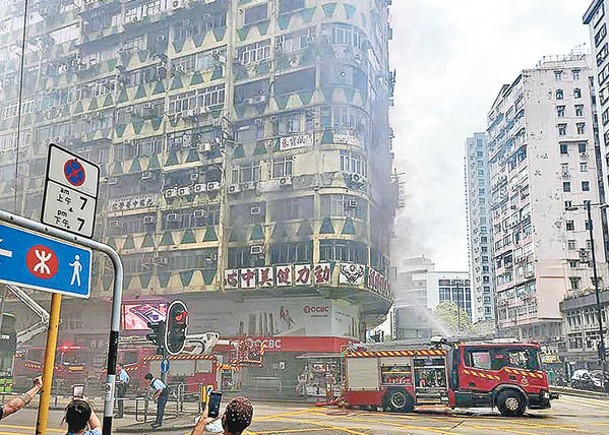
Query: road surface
x,y
570,415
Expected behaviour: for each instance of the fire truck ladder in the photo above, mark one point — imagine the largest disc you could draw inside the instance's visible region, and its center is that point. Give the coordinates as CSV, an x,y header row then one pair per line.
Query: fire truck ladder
x,y
36,328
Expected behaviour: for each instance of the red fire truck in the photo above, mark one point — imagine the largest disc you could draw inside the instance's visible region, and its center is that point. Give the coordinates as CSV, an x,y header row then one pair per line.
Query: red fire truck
x,y
503,375
70,367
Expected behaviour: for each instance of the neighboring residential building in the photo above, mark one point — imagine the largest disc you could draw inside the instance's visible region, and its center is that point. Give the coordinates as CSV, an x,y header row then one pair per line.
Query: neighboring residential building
x,y
542,162
410,316
245,150
478,199
452,287
580,316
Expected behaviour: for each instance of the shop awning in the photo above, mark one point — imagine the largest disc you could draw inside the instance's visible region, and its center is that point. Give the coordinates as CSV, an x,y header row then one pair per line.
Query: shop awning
x,y
319,355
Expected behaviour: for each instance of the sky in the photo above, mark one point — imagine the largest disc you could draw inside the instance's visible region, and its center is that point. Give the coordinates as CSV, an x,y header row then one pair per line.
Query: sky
x,y
452,57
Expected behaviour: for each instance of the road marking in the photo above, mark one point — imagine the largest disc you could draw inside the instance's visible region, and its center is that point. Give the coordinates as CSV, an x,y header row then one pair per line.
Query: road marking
x,y
14,426
282,431
324,426
285,414
402,426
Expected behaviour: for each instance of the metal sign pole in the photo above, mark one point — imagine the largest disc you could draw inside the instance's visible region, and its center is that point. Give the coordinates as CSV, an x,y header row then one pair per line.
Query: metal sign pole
x,y
116,298
49,365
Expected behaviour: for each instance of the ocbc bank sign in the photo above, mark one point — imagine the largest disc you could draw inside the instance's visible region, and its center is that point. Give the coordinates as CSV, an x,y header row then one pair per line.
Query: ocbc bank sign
x,y
312,310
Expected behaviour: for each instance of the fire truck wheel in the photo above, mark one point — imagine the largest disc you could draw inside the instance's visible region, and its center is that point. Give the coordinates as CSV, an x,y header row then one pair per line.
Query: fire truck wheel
x,y
511,403
398,401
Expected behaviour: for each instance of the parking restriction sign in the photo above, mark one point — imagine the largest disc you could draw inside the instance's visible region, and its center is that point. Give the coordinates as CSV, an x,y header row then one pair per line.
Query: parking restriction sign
x,y
70,195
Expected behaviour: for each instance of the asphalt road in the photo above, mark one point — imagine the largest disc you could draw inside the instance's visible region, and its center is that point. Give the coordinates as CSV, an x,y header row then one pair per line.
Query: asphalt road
x,y
570,415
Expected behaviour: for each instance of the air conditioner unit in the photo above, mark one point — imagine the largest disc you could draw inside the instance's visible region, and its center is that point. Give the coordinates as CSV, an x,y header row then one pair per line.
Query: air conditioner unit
x,y
183,191
180,69
199,188
285,181
171,193
148,106
255,210
148,175
200,214
357,178
205,147
259,121
113,180
130,110
258,99
256,249
214,185
116,224
514,207
352,203
161,38
528,275
194,177
146,260
583,155
149,220
234,188
248,186
172,217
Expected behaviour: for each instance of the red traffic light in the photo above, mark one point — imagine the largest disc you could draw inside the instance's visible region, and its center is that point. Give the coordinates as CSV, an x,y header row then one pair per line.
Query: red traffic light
x,y
181,317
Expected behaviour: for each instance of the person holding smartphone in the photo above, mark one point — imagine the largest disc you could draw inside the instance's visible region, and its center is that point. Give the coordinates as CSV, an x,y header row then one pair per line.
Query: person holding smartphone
x,y
18,403
160,396
236,418
79,415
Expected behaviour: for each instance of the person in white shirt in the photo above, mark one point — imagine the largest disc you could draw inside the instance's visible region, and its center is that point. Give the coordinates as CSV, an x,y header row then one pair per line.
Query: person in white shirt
x,y
122,382
160,396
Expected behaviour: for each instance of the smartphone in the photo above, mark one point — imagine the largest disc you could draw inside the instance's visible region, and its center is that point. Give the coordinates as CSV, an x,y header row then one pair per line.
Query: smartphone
x,y
214,398
78,390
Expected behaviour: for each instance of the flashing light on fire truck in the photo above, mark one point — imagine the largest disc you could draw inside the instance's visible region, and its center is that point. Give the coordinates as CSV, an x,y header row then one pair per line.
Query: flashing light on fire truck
x,y
177,327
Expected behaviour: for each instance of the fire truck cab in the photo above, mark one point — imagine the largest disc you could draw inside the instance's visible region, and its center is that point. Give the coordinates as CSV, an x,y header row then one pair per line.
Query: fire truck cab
x,y
507,376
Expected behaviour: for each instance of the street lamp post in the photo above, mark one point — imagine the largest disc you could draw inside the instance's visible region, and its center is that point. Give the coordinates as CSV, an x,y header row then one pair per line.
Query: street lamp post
x,y
599,312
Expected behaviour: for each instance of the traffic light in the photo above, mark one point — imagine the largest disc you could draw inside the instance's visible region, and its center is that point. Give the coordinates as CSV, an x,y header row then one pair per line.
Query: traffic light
x,y
177,326
157,336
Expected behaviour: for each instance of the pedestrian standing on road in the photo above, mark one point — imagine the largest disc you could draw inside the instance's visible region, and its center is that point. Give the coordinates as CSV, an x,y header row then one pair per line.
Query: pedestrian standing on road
x,y
18,403
122,382
236,418
79,414
160,396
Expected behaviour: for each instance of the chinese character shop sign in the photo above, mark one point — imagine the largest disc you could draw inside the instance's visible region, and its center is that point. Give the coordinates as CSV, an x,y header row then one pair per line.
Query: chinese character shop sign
x,y
32,260
71,190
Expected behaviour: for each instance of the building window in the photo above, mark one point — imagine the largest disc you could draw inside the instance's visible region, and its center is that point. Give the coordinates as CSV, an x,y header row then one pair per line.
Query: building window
x,y
575,283
579,110
283,167
575,74
568,205
564,148
566,186
292,208
581,127
570,225
290,253
573,264
587,225
343,250
255,14
562,129
558,75
289,6
246,173
559,94
344,206
353,163
572,245
577,93
256,52
560,111
583,167
293,42
582,147
600,35
585,186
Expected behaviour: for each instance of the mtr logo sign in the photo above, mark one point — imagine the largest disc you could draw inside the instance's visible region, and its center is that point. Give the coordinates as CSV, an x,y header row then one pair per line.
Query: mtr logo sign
x,y
316,311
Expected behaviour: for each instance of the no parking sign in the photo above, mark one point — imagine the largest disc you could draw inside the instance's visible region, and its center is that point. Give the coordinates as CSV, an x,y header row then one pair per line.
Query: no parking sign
x,y
70,194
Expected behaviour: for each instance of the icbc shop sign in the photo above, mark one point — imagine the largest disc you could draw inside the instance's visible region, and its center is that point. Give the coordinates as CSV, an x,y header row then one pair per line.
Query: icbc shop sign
x,y
316,311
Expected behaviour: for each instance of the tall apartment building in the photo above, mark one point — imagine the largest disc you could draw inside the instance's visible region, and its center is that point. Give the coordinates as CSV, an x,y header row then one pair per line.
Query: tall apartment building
x,y
541,143
410,315
245,150
480,247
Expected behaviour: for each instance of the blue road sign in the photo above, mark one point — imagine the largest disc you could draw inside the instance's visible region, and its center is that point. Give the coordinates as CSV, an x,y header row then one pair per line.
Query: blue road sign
x,y
40,262
165,365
